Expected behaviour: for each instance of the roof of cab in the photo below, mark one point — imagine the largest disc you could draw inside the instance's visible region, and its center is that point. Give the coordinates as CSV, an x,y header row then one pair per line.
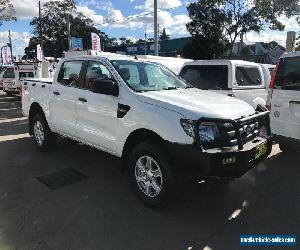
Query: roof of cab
x,y
220,62
291,54
107,55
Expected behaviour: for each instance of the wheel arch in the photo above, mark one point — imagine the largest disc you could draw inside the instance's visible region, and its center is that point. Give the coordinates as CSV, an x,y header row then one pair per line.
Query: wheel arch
x,y
34,109
137,136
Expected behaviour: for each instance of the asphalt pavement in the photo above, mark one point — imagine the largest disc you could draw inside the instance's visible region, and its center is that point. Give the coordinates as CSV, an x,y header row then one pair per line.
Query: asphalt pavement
x,y
100,210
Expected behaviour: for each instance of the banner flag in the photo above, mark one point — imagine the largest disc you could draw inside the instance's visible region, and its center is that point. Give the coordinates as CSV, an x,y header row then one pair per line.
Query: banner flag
x,y
96,43
5,55
39,53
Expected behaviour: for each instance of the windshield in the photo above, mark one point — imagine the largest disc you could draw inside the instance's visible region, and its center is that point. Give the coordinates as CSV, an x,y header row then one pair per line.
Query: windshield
x,y
147,76
9,73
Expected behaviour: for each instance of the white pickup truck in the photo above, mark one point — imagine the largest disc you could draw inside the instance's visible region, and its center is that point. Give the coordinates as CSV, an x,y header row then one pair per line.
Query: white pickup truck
x,y
146,115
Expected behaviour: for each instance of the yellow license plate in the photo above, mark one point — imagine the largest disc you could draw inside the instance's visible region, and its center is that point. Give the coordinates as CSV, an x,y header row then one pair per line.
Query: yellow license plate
x,y
261,150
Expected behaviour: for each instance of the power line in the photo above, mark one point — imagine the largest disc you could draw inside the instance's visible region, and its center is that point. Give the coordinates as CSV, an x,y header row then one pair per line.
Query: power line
x,y
144,14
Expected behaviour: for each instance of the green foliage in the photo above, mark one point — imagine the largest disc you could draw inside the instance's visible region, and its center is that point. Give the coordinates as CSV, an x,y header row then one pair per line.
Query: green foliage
x,y
54,29
209,39
7,11
223,22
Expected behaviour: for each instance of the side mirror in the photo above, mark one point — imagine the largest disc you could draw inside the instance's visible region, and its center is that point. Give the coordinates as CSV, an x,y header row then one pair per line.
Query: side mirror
x,y
105,87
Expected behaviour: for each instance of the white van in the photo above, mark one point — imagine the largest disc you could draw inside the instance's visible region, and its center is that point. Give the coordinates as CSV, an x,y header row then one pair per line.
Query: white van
x,y
241,79
285,102
2,70
13,74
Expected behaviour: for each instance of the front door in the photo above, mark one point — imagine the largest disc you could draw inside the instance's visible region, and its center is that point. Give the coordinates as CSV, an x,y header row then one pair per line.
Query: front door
x,y
97,121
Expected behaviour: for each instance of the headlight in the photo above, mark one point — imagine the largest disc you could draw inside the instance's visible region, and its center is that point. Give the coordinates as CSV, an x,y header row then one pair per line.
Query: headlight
x,y
188,127
208,132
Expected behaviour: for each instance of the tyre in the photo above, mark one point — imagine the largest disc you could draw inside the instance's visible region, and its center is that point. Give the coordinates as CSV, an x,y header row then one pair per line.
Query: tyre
x,y
43,138
151,174
9,94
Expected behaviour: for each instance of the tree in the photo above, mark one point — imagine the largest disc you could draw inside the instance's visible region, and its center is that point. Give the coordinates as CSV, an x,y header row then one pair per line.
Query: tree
x,y
7,11
54,27
209,39
234,18
164,35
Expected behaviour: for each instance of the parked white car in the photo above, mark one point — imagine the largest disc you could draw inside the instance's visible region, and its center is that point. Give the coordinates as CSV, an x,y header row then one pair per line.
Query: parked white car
x,y
285,102
241,79
172,63
148,116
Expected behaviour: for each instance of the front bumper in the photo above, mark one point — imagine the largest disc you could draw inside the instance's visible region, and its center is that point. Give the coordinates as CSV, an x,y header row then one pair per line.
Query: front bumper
x,y
211,162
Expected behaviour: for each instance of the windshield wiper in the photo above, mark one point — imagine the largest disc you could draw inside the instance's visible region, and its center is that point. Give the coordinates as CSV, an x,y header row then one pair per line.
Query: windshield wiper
x,y
189,87
170,88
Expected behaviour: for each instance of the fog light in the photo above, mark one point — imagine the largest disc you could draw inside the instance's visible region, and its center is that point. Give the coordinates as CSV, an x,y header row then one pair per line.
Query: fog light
x,y
229,160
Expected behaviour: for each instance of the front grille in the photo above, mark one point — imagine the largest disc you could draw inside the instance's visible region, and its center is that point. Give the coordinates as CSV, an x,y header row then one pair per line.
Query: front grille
x,y
238,132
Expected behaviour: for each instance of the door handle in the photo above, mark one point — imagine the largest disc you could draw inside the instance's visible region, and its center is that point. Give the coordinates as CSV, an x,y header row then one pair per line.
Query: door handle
x,y
33,85
43,86
56,93
82,99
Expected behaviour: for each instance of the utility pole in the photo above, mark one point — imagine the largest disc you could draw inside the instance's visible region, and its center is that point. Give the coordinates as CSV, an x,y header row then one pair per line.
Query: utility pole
x,y
145,41
69,30
10,45
155,28
41,31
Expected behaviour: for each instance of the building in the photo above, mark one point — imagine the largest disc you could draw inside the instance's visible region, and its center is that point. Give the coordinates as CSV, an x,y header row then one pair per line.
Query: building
x,y
171,47
260,52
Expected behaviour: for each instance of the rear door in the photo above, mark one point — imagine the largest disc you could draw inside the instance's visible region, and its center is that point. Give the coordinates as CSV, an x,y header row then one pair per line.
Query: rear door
x,y
250,85
63,98
285,111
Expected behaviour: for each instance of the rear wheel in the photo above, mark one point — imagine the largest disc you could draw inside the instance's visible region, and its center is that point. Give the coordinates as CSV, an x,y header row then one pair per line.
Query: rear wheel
x,y
151,175
43,138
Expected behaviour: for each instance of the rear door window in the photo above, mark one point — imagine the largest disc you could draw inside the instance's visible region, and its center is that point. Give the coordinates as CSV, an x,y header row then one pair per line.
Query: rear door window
x,y
288,74
213,77
248,76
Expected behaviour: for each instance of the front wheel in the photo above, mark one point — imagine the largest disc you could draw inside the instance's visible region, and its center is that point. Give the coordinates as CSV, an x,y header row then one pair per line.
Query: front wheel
x,y
43,138
151,174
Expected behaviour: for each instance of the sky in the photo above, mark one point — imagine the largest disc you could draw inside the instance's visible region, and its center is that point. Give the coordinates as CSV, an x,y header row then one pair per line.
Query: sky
x,y
108,15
